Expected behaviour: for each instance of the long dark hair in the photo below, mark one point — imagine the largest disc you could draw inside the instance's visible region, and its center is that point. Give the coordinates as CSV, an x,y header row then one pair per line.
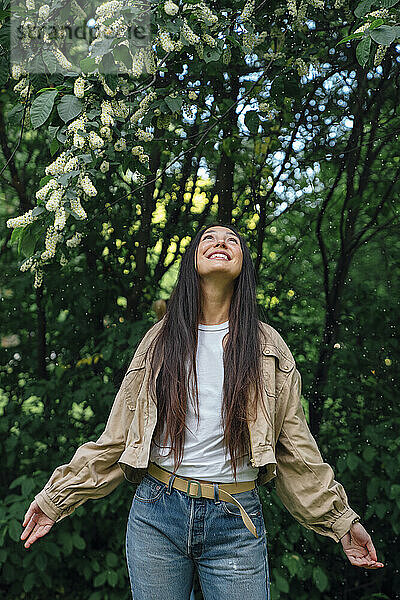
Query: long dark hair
x,y
175,347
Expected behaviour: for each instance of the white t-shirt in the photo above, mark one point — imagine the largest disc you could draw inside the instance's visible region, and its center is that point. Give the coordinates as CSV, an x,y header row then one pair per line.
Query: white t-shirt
x,y
204,451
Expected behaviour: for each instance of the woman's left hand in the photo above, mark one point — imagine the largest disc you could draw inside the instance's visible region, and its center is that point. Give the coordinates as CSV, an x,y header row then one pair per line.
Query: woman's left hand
x,y
359,549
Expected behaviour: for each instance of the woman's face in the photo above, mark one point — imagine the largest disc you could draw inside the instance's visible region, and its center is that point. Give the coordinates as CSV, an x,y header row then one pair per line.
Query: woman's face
x,y
219,251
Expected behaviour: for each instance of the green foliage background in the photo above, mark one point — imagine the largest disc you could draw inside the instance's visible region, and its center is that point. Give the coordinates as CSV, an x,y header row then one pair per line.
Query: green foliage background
x,y
316,198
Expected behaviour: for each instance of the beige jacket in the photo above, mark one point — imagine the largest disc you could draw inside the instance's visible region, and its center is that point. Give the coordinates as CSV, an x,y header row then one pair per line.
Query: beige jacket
x,y
281,446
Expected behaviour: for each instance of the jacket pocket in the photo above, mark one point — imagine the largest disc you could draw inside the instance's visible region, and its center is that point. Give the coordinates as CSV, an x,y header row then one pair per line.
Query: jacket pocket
x,y
275,371
133,380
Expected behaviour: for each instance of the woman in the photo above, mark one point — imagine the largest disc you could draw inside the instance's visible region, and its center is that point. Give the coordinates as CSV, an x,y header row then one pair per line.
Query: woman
x,y
209,410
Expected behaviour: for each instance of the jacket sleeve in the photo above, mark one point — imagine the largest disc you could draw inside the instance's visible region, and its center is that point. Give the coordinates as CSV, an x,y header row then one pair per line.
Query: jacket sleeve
x,y
93,471
305,483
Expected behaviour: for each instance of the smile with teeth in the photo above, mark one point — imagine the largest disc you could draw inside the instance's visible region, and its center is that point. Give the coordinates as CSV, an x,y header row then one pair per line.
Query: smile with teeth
x,y
218,255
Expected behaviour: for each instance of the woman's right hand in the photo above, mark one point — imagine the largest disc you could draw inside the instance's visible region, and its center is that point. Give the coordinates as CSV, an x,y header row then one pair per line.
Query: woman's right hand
x,y
36,524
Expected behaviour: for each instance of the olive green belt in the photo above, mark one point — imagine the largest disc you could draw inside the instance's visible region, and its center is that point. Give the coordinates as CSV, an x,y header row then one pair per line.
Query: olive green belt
x,y
206,490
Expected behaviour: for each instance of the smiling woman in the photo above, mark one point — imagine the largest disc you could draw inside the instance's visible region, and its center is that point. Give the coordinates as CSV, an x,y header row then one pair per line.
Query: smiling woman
x,y
209,410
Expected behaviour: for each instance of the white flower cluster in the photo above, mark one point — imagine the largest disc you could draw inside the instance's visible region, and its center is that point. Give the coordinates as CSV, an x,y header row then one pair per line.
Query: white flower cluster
x,y
38,278
17,71
317,3
54,201
362,28
74,241
77,207
105,132
138,62
108,9
248,10
188,110
382,13
107,89
87,185
227,55
202,12
79,87
60,218
209,40
18,87
107,113
189,34
30,4
24,219
149,60
380,54
95,141
50,185
120,109
143,106
302,67
144,136
192,95
120,145
57,167
171,8
249,41
166,43
52,237
28,263
64,62
137,177
105,166
71,165
44,11
79,123
137,150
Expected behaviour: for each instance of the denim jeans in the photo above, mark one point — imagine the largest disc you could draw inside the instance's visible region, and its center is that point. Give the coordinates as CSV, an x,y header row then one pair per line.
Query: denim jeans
x,y
170,534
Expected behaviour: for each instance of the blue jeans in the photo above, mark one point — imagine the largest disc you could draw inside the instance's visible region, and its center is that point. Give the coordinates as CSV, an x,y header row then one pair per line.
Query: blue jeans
x,y
169,534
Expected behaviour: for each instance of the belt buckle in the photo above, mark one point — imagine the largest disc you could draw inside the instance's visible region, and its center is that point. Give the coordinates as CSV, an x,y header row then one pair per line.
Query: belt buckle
x,y
198,494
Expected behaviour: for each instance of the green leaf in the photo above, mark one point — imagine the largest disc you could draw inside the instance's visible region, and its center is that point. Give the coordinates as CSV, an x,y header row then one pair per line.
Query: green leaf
x,y
14,530
385,34
52,131
381,509
29,582
42,107
373,486
363,50
41,561
111,559
363,8
78,541
69,107
54,146
50,61
252,121
369,453
66,541
320,579
16,234
174,104
388,3
112,578
122,54
352,36
88,65
27,242
281,583
100,579
352,461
